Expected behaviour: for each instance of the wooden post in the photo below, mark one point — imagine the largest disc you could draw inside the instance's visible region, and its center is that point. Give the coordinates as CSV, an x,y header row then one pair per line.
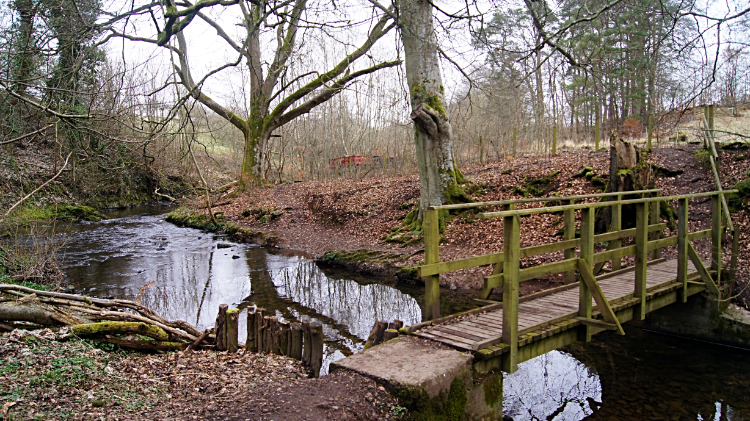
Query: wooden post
x,y
390,334
232,323
307,347
221,328
267,335
656,253
597,134
682,246
250,343
554,140
431,230
274,328
397,324
587,254
650,130
283,334
569,233
512,257
641,258
711,119
295,348
716,234
259,316
515,143
614,227
316,339
376,334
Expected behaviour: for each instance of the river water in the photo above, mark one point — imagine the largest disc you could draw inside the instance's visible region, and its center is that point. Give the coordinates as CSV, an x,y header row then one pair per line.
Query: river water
x,y
183,273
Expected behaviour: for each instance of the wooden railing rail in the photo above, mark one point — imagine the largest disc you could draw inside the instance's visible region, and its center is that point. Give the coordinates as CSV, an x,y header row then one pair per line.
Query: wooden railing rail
x,y
542,199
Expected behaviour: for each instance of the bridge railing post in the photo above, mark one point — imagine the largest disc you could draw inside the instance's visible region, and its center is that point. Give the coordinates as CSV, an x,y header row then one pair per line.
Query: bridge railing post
x,y
511,264
587,254
569,233
641,258
682,246
716,236
431,231
655,220
616,226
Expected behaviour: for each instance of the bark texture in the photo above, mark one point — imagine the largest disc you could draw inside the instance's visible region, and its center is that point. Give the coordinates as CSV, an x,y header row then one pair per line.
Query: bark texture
x,y
433,137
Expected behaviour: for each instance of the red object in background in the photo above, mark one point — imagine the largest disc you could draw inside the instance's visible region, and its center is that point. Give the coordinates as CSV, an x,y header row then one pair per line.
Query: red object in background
x,y
348,160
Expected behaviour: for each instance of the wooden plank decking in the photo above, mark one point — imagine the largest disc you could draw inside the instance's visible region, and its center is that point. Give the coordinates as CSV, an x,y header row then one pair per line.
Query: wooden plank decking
x,y
473,332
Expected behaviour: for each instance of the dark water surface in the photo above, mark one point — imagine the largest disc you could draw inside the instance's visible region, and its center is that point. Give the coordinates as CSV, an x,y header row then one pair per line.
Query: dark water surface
x,y
639,376
181,273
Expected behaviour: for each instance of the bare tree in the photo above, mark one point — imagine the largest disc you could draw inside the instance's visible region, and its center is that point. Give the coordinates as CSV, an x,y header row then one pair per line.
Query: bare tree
x,y
276,95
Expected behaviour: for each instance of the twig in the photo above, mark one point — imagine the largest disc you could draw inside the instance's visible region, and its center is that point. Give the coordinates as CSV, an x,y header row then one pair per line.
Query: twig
x,y
24,136
40,187
166,196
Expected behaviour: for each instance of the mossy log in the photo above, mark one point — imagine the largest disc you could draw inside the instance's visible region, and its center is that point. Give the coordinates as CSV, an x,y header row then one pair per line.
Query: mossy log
x,y
142,345
122,328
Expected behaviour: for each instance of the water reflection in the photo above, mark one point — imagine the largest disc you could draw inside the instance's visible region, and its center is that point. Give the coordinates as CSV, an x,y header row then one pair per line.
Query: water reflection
x,y
640,376
182,273
552,386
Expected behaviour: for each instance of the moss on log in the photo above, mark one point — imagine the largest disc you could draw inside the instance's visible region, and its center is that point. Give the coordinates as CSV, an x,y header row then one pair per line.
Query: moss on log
x,y
113,328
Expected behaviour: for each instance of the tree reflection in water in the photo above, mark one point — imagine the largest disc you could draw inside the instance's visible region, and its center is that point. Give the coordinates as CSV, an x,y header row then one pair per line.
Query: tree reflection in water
x,y
347,309
552,386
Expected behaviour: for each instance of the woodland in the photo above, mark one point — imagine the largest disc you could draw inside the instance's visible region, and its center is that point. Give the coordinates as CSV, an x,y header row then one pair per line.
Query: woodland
x,y
330,127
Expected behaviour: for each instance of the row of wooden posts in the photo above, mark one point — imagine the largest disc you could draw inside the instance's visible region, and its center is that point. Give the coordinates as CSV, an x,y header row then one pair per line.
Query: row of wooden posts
x,y
302,341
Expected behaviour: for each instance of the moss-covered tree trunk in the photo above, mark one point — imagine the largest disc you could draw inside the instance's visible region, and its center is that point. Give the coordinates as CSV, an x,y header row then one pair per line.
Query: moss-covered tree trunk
x,y
439,177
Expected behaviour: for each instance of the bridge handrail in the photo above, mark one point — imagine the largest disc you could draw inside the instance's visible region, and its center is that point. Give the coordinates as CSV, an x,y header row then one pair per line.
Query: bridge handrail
x,y
591,205
540,199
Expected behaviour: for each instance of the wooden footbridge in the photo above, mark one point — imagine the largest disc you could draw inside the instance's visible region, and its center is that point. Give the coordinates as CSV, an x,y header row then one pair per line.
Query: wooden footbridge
x,y
503,334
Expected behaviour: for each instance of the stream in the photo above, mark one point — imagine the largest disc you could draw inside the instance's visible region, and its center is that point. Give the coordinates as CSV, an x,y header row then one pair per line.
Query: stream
x,y
183,273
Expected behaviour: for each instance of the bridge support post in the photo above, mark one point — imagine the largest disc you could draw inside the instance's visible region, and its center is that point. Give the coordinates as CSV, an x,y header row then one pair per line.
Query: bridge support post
x,y
512,257
614,227
682,246
716,234
655,220
569,233
587,254
431,230
641,258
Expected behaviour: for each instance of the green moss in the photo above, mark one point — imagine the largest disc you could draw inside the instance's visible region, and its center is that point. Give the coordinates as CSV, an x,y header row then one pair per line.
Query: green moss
x,y
738,201
60,212
702,156
583,172
598,182
357,257
456,404
408,272
441,408
668,212
518,190
493,390
541,186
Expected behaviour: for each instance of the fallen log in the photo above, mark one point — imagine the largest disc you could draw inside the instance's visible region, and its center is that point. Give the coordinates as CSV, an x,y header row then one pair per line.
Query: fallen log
x,y
101,319
123,328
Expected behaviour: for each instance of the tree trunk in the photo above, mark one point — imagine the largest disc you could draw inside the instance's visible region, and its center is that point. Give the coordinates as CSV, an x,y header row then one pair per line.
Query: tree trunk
x,y
439,177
